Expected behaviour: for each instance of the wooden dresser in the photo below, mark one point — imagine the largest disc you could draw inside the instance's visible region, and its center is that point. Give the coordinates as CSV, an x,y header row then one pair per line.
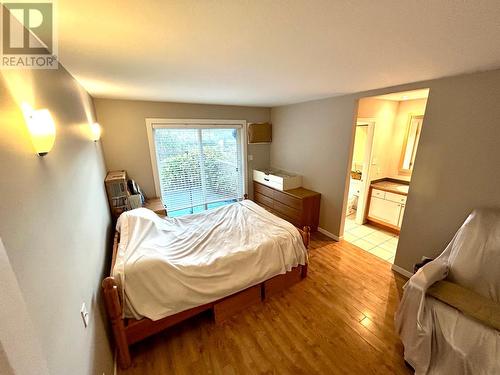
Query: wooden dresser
x,y
298,206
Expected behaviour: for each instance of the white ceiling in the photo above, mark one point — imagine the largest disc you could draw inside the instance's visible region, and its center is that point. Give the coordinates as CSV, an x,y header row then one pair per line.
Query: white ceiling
x,y
271,52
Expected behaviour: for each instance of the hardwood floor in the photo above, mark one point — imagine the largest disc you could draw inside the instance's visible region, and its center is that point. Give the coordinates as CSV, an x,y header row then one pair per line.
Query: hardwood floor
x,y
339,320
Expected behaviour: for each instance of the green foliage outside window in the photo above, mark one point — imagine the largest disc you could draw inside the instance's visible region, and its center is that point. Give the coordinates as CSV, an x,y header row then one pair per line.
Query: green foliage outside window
x,y
184,169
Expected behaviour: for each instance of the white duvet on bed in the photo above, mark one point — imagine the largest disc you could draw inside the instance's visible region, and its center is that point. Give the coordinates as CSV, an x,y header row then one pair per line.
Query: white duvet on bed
x,y
165,266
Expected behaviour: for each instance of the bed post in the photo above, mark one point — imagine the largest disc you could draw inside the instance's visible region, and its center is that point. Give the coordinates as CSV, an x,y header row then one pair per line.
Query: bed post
x,y
303,271
114,309
306,236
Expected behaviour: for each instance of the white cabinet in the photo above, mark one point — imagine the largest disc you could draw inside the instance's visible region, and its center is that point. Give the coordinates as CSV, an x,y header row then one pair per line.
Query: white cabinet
x,y
387,207
378,193
384,210
398,198
277,179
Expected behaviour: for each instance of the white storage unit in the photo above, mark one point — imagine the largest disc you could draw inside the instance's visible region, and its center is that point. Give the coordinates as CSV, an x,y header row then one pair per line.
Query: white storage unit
x,y
387,207
398,198
277,179
378,193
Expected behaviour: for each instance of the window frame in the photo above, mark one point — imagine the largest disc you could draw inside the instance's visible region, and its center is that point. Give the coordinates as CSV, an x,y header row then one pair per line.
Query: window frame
x,y
408,171
164,123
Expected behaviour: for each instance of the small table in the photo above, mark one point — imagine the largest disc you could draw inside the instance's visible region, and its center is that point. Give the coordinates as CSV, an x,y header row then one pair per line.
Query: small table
x,y
156,205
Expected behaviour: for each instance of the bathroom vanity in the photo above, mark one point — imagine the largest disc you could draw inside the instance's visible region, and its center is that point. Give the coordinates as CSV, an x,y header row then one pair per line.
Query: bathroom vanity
x,y
387,203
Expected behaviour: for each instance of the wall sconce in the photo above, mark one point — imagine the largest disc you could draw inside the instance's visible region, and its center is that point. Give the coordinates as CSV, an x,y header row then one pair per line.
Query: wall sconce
x,y
95,130
42,129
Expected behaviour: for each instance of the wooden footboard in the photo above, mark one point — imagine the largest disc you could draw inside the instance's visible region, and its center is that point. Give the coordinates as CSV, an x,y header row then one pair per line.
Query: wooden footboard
x,y
129,331
281,282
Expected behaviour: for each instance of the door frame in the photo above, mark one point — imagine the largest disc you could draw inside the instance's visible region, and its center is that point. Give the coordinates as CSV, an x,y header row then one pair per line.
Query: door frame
x,y
158,123
367,162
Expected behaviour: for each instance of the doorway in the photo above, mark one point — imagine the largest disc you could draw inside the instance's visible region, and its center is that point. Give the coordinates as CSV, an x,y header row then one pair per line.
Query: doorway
x,y
385,145
360,168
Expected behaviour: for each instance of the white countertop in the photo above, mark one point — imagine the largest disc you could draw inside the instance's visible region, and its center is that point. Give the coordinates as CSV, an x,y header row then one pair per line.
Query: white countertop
x,y
393,186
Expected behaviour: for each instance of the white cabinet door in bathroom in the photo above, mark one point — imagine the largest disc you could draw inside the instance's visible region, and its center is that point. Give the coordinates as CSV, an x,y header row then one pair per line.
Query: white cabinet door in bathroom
x,y
385,210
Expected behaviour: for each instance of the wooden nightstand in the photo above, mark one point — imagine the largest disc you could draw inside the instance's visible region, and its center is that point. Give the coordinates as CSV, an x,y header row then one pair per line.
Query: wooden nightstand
x,y
156,205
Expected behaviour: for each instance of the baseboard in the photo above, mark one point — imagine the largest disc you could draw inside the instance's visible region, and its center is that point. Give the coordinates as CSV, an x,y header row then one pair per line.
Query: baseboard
x,y
401,271
328,234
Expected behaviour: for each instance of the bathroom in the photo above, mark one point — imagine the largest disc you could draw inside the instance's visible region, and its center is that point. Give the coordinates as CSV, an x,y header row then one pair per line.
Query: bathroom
x,y
386,135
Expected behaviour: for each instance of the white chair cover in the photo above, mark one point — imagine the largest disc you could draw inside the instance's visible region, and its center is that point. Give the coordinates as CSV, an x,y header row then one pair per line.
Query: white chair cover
x,y
437,338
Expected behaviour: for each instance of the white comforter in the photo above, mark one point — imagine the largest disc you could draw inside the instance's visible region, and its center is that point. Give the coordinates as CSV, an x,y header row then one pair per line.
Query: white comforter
x,y
166,266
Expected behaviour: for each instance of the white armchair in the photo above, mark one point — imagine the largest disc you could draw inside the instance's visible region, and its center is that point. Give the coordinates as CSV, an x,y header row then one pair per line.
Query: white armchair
x,y
449,316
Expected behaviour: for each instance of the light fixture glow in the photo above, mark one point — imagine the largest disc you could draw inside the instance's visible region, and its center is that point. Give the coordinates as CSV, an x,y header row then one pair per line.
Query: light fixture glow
x,y
95,130
405,97
41,127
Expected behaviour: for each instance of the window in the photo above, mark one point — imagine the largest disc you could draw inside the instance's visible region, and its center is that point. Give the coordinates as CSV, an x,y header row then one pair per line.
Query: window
x,y
197,165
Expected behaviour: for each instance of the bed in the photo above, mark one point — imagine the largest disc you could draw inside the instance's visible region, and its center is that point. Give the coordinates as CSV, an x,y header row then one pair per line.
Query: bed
x,y
164,271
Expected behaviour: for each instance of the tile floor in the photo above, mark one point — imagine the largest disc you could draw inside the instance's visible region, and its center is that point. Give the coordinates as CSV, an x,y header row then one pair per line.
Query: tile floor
x,y
374,240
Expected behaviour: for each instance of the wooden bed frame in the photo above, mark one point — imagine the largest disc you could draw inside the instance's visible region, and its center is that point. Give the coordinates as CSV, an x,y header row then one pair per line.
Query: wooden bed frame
x,y
129,331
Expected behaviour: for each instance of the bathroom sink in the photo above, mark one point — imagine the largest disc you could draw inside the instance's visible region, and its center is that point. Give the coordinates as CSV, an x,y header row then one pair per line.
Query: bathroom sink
x,y
394,186
402,188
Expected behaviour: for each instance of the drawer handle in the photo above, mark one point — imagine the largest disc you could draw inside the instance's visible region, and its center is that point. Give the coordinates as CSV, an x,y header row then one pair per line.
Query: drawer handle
x,y
266,179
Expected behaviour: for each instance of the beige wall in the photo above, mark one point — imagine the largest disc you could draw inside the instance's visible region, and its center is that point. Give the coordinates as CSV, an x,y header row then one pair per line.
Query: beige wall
x,y
315,139
358,154
384,113
125,141
453,168
20,349
391,119
54,219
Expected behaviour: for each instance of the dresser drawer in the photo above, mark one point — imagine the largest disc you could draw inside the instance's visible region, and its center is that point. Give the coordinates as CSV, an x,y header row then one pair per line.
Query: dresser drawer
x,y
292,220
265,207
261,198
398,198
287,210
275,185
299,207
287,199
378,193
264,190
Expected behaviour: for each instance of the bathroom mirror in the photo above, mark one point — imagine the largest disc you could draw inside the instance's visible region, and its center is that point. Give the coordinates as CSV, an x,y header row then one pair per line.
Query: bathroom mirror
x,y
410,144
